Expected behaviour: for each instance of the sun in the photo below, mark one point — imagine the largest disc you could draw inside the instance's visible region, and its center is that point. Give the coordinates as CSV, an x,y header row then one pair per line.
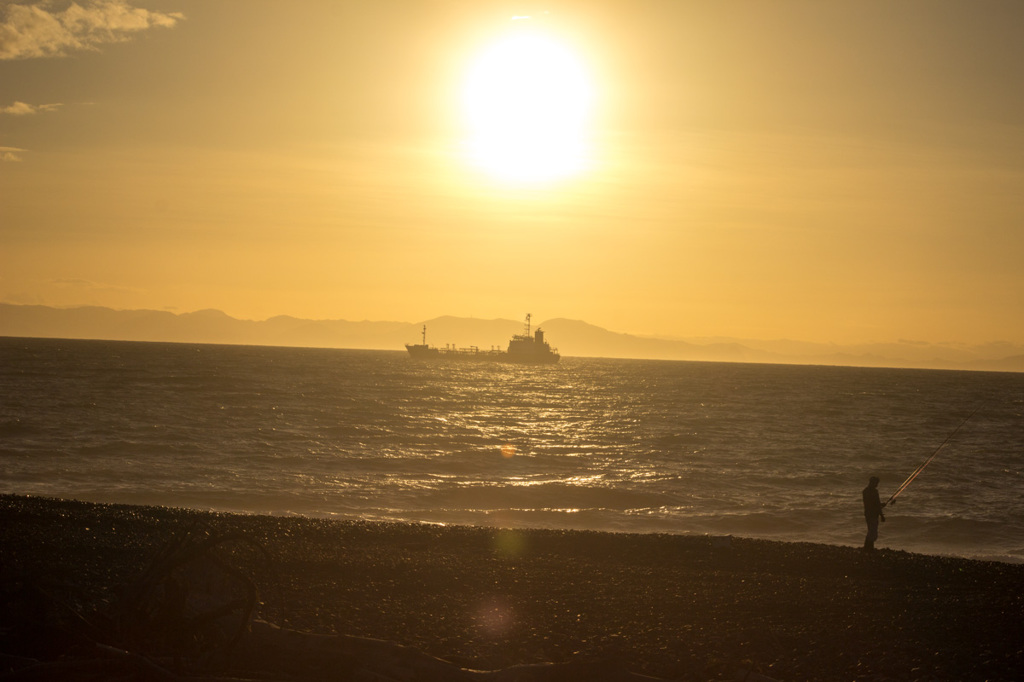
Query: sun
x,y
527,103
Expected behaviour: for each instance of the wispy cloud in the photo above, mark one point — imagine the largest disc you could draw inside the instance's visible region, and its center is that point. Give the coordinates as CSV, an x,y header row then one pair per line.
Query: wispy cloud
x,y
25,109
88,286
10,153
46,28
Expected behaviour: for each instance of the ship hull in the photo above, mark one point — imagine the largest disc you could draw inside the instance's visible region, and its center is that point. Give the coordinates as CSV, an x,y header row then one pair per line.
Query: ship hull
x,y
523,349
432,354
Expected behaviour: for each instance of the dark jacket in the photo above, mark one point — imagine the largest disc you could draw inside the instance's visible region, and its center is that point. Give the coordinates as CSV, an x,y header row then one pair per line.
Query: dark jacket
x,y
872,504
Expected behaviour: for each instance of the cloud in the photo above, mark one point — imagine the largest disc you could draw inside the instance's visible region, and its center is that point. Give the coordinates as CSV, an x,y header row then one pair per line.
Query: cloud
x,y
25,109
73,282
10,154
39,29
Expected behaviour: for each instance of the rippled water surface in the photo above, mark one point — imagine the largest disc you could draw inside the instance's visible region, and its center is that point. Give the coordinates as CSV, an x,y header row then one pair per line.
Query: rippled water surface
x,y
757,450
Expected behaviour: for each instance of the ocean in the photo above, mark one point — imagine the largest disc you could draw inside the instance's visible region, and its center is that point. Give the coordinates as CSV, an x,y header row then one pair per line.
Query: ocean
x,y
767,451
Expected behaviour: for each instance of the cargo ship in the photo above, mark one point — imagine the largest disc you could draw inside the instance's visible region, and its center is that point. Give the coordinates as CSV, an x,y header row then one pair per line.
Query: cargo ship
x,y
525,348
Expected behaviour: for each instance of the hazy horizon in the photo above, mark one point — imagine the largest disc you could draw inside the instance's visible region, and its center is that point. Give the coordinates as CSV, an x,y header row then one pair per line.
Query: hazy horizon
x,y
573,338
846,172
536,321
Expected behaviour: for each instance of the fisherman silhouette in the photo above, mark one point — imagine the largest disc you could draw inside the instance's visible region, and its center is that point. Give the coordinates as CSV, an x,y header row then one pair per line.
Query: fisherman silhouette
x,y
872,512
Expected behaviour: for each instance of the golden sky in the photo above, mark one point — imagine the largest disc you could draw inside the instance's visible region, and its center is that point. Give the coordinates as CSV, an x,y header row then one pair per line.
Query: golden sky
x,y
839,171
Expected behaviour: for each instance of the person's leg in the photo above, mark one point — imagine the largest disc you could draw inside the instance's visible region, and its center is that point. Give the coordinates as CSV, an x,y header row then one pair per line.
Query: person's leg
x,y
869,539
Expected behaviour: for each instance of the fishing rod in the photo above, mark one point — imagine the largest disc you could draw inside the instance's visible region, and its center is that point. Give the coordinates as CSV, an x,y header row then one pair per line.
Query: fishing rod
x,y
918,470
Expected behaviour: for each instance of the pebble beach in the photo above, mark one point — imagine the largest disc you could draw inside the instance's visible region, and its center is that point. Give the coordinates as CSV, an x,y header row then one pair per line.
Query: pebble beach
x,y
485,599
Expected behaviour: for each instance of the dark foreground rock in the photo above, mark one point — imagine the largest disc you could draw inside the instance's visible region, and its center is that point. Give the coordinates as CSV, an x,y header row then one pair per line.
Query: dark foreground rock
x,y
110,591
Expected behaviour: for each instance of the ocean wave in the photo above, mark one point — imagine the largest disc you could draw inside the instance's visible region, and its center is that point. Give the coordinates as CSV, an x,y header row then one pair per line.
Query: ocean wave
x,y
766,451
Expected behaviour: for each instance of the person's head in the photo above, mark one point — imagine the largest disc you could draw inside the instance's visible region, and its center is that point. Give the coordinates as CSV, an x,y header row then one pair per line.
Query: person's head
x,y
873,481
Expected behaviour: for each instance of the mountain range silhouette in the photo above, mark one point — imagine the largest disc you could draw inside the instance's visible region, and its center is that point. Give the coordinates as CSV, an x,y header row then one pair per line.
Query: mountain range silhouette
x,y
573,338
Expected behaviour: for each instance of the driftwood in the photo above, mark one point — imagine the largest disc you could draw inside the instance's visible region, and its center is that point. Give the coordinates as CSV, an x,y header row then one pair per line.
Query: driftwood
x,y
342,657
193,602
267,653
190,616
361,658
183,615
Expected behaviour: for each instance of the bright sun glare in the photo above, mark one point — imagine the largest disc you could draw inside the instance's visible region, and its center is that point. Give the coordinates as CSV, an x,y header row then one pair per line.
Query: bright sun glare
x,y
527,102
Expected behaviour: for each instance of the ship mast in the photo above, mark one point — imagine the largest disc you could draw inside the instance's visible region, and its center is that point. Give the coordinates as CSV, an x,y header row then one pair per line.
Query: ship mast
x,y
527,324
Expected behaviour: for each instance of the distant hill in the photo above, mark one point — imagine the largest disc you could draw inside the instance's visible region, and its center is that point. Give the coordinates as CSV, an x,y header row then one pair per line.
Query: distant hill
x,y
204,326
571,337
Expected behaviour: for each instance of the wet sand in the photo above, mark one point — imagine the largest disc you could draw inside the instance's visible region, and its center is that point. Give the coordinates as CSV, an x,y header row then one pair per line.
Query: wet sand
x,y
676,607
